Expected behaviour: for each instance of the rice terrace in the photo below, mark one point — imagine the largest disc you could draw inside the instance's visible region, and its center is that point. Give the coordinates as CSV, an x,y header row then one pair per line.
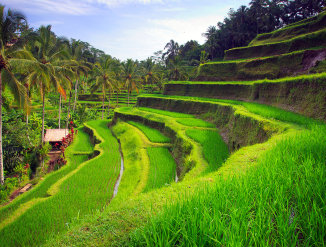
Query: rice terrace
x,y
213,143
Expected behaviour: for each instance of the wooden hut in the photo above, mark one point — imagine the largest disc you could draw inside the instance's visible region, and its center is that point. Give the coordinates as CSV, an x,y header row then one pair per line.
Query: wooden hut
x,y
54,137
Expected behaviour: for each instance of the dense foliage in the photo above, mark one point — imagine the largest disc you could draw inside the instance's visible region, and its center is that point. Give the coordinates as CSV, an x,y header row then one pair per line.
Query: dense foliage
x,y
239,28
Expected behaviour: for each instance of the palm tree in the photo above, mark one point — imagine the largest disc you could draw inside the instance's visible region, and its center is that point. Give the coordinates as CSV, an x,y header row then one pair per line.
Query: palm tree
x,y
129,76
44,67
176,70
9,23
210,35
76,50
172,50
105,79
149,71
202,59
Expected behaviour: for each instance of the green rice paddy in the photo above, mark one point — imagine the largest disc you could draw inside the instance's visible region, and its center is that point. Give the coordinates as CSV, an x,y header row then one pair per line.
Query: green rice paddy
x,y
194,122
280,202
269,112
152,134
162,169
41,189
166,113
215,150
80,192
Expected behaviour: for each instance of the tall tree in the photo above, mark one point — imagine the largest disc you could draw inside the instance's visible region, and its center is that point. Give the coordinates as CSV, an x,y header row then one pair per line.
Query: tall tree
x,y
9,23
172,50
43,66
129,76
149,71
105,79
176,70
76,50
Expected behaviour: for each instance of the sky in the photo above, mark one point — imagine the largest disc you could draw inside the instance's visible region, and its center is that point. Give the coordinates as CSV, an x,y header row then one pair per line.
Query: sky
x,y
127,28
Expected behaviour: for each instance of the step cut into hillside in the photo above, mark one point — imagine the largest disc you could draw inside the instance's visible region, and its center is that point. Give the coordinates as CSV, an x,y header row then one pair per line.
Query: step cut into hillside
x,y
297,49
303,27
273,67
310,33
303,94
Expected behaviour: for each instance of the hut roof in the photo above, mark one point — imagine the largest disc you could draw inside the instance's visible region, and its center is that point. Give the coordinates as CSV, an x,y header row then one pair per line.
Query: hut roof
x,y
55,135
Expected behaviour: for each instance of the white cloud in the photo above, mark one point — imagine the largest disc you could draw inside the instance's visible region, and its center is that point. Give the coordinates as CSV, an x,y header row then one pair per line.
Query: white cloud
x,y
46,22
183,30
115,3
75,7
69,7
140,43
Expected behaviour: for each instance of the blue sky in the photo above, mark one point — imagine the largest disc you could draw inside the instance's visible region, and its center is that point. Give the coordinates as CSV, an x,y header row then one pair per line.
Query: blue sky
x,y
127,28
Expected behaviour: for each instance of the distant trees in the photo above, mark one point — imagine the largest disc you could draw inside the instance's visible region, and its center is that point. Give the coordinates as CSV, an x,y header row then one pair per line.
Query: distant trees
x,y
261,16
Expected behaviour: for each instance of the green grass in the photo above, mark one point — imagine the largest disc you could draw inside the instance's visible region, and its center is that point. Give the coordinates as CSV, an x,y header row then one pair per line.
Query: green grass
x,y
135,163
266,111
82,143
111,227
281,202
166,113
320,78
162,170
40,190
152,134
81,192
214,149
296,43
295,29
263,66
194,122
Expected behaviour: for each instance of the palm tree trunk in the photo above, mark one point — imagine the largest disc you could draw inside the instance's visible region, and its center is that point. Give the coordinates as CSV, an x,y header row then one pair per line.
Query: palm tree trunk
x,y
103,104
43,110
2,177
27,108
109,104
76,89
128,96
59,111
68,113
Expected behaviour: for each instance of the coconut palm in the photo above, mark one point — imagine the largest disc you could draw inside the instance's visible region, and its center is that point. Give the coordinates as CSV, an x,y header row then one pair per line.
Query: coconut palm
x,y
172,50
9,22
149,71
44,67
176,70
76,50
129,76
104,76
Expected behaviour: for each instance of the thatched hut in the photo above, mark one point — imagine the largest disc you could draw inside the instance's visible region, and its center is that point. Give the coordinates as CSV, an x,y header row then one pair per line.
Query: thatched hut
x,y
55,136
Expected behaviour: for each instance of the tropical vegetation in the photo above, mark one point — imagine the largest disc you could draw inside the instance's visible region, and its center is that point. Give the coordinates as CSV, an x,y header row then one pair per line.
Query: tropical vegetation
x,y
166,151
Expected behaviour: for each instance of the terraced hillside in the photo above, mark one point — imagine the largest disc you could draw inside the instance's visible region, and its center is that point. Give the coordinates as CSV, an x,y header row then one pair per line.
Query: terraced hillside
x,y
296,49
216,195
117,99
206,164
